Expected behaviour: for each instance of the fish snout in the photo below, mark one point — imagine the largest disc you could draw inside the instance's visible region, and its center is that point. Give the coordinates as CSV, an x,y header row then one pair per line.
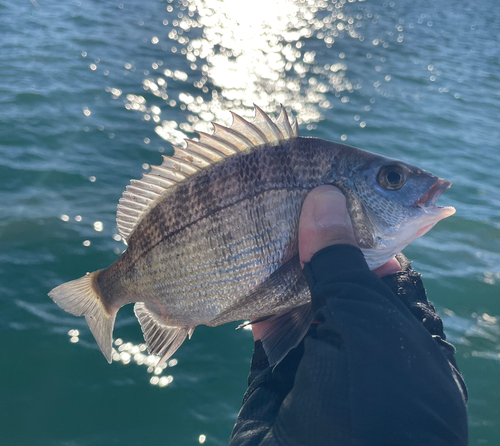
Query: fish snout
x,y
428,200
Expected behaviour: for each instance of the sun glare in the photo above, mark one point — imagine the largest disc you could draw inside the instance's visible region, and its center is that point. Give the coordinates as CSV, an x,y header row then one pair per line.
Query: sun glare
x,y
246,53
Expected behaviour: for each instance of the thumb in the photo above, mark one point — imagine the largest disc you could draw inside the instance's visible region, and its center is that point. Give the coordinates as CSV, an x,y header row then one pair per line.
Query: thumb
x,y
324,221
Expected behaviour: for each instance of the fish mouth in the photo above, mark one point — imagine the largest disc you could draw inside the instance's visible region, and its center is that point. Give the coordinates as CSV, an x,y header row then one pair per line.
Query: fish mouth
x,y
427,201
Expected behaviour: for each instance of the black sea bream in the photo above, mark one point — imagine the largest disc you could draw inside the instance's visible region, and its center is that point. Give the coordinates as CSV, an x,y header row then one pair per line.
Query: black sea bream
x,y
212,233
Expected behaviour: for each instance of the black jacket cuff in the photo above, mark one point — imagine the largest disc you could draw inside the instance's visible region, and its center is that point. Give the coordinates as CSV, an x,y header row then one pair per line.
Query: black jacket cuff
x,y
331,262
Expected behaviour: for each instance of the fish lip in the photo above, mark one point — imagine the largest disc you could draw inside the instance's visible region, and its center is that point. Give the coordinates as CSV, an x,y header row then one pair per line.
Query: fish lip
x,y
428,200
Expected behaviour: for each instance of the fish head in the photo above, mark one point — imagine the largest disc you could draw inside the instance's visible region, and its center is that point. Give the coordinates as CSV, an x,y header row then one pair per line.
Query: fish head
x,y
391,203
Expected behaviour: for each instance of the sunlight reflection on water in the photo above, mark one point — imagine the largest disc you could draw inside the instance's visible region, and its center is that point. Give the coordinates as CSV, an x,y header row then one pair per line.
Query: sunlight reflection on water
x,y
128,353
244,57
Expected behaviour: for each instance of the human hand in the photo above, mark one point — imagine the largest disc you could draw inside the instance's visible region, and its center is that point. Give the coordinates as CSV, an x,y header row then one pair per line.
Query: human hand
x,y
324,221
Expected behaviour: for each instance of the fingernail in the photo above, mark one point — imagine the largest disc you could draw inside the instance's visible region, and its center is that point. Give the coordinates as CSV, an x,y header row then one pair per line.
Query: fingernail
x,y
330,209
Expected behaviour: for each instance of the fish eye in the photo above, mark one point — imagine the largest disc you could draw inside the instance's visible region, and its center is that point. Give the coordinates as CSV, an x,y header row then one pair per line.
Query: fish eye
x,y
392,177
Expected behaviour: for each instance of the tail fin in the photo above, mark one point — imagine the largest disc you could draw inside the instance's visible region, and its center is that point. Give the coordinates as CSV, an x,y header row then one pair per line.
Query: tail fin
x,y
81,297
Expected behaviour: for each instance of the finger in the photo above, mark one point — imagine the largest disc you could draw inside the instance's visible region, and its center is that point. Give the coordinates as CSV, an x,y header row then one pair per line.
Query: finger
x,y
324,221
391,267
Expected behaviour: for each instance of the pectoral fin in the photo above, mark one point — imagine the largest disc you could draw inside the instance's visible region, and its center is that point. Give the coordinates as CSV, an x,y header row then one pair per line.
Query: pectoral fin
x,y
280,333
281,305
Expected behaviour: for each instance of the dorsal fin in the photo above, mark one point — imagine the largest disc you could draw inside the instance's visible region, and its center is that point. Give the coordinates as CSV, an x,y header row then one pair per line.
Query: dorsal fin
x,y
252,132
284,124
142,195
270,129
218,144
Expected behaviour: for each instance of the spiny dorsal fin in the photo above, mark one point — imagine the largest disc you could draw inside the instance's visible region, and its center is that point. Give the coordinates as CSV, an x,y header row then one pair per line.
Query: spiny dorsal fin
x,y
283,124
252,132
142,195
270,129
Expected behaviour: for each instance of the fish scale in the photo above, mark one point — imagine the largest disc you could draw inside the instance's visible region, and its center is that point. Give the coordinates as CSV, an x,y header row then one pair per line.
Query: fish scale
x,y
192,268
212,233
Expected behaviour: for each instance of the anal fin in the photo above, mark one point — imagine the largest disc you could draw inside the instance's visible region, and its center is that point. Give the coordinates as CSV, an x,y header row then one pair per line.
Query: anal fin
x,y
161,339
280,333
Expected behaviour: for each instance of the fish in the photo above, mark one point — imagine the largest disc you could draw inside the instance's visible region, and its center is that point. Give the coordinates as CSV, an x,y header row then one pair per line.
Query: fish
x,y
211,233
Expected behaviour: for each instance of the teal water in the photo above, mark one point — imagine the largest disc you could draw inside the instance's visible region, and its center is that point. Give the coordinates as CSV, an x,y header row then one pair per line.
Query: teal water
x,y
92,92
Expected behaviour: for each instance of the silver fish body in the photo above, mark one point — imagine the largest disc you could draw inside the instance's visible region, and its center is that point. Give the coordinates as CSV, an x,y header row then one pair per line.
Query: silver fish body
x,y
221,244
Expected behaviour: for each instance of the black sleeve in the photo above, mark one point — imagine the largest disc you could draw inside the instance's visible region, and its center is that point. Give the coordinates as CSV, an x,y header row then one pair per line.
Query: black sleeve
x,y
376,371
